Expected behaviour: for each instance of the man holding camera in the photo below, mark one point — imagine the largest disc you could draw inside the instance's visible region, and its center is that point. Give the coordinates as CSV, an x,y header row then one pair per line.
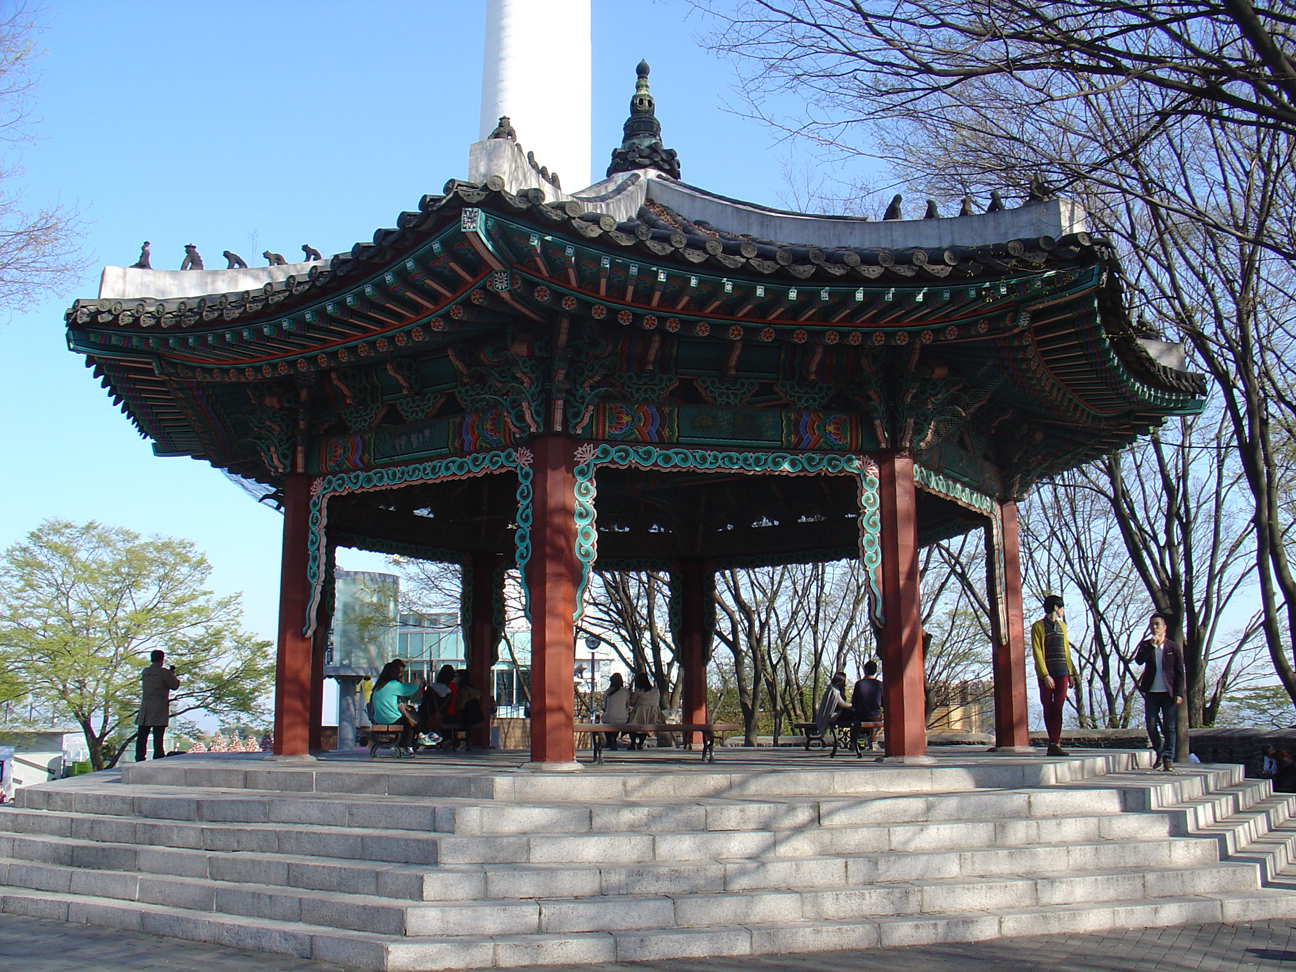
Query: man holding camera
x,y
154,713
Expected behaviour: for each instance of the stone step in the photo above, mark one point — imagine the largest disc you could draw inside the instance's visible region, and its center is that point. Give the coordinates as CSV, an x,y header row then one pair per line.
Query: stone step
x,y
377,951
1111,794
163,844
180,847
615,784
717,873
1091,805
47,867
466,817
520,916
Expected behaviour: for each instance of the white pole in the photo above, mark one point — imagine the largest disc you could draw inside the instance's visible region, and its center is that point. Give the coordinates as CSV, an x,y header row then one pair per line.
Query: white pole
x,y
537,71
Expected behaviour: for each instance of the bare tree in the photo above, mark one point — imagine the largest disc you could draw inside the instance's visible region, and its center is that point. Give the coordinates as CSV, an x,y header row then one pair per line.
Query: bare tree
x,y
39,255
1073,543
956,656
748,604
1170,64
1172,123
629,611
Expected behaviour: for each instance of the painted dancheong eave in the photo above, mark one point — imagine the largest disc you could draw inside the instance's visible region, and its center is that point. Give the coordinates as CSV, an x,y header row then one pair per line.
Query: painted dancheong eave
x,y
479,261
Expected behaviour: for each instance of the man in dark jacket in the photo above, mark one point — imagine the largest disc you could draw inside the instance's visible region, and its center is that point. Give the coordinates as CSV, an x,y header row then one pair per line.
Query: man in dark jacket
x,y
866,699
156,683
1164,686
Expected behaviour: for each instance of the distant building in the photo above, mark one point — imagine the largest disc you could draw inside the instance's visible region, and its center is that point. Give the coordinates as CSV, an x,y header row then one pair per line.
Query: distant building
x,y
962,707
368,631
37,756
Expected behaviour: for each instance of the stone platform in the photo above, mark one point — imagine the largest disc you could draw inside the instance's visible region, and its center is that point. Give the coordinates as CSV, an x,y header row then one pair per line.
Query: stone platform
x,y
474,861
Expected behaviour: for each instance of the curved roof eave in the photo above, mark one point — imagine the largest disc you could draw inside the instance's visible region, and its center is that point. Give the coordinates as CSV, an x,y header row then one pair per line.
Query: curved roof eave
x,y
297,280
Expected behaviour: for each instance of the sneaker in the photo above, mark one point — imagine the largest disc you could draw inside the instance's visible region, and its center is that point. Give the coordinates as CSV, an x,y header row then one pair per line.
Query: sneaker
x,y
1056,750
425,740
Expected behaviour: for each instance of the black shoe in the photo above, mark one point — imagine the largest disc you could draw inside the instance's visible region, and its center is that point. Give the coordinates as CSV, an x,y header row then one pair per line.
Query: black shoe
x,y
1156,763
1056,750
1167,765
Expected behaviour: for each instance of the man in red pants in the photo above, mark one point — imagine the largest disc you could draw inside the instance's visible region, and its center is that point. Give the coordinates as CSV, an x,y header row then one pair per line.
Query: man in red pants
x,y
1053,666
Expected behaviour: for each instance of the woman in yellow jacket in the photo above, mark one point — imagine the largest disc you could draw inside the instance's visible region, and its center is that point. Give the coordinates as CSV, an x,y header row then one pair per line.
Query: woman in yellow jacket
x,y
1053,668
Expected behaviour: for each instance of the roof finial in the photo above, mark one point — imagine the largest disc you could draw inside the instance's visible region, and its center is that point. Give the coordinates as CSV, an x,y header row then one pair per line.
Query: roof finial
x,y
641,147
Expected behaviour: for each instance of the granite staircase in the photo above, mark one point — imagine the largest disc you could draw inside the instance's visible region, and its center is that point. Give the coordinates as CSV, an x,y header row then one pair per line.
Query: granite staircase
x,y
405,867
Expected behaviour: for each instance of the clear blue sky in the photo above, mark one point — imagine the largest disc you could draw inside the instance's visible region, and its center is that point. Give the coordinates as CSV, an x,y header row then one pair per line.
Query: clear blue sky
x,y
245,126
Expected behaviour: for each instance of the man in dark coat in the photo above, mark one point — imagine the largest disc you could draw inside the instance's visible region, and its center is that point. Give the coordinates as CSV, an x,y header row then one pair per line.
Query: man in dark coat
x,y
1164,686
156,684
866,699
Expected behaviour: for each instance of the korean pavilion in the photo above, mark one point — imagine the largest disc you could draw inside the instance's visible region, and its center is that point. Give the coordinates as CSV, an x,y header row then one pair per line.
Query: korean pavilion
x,y
643,374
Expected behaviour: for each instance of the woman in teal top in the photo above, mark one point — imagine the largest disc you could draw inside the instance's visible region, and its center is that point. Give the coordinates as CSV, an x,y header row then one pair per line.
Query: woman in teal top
x,y
388,690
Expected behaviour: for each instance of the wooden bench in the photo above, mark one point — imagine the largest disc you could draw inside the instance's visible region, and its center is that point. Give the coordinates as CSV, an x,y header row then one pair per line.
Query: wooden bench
x,y
385,736
846,735
707,729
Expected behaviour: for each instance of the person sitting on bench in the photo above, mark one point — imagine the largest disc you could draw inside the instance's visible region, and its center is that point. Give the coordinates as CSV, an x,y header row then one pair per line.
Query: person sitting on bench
x,y
438,708
467,711
866,700
645,708
388,707
833,707
616,707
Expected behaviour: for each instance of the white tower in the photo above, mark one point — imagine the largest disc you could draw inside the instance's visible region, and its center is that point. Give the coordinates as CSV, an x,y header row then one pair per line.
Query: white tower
x,y
537,71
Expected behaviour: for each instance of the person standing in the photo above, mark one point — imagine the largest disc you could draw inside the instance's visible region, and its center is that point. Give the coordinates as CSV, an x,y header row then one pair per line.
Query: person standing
x,y
1164,685
156,683
1053,668
866,699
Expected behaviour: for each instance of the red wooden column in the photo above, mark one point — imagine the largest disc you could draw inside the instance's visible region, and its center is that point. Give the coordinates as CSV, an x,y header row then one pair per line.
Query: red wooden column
x,y
1009,648
695,638
483,633
552,576
293,662
901,637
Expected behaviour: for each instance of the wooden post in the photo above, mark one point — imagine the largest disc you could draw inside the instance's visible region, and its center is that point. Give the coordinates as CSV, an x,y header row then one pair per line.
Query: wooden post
x,y
695,638
293,662
483,633
552,576
1003,581
905,715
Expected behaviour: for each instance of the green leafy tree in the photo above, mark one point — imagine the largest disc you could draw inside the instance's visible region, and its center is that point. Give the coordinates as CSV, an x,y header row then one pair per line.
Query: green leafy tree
x,y
81,608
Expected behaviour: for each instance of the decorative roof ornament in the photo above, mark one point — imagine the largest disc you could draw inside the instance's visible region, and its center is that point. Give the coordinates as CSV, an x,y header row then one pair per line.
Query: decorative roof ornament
x,y
1040,191
642,148
504,129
